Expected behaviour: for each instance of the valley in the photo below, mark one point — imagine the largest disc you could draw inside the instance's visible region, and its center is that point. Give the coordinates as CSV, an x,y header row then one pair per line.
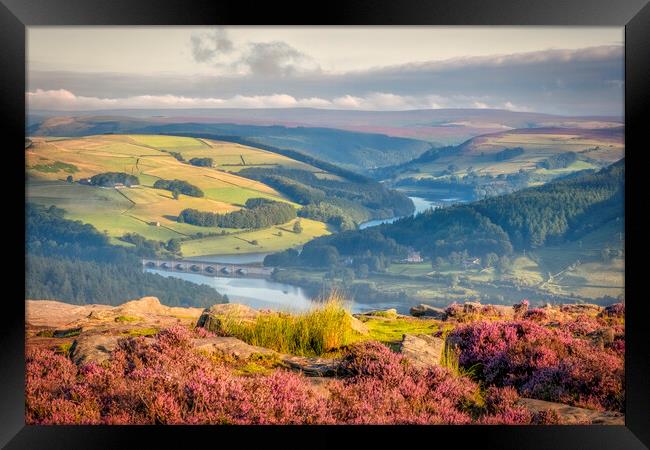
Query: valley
x,y
232,164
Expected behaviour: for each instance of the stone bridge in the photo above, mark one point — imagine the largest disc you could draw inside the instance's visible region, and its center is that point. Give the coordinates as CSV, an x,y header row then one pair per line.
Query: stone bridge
x,y
208,268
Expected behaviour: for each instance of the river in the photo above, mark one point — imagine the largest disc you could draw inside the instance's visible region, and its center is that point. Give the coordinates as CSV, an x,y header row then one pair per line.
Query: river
x,y
266,294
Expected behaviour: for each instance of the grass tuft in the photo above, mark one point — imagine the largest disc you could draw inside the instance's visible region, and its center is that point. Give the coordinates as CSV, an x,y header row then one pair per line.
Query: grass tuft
x,y
127,319
324,328
135,332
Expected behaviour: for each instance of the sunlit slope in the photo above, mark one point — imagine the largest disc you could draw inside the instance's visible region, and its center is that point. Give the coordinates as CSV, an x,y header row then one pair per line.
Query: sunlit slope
x,y
593,149
143,209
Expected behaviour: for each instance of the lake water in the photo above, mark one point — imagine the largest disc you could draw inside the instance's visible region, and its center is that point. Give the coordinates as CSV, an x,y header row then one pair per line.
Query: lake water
x,y
259,293
421,204
266,294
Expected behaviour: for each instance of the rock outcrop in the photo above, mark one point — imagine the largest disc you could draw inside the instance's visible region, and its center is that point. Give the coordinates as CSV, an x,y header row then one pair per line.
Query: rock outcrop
x,y
229,346
214,317
422,350
572,415
93,348
359,326
146,312
423,310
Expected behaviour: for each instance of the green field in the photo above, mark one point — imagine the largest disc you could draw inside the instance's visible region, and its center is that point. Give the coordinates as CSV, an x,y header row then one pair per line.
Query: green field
x,y
271,239
590,278
152,212
476,155
227,156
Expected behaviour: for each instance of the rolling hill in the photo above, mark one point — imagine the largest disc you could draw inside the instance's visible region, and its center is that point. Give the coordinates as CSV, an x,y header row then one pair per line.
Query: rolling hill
x,y
508,160
152,212
443,126
348,149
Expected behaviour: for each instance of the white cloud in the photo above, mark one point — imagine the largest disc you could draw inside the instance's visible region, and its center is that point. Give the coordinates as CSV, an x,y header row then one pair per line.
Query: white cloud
x,y
64,100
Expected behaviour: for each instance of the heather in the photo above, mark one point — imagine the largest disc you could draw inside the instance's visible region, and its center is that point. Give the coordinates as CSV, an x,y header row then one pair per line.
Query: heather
x,y
496,365
165,382
578,360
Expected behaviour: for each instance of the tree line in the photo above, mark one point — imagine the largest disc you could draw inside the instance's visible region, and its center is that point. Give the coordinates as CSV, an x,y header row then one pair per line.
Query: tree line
x,y
202,162
110,179
358,201
73,262
559,211
180,186
259,213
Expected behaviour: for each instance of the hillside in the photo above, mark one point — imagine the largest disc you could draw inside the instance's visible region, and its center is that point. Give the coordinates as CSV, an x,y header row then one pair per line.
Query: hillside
x,y
558,242
348,149
442,126
144,363
152,212
501,162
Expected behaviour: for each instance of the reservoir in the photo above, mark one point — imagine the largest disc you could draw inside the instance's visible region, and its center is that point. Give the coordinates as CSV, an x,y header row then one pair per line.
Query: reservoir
x,y
421,205
257,293
261,293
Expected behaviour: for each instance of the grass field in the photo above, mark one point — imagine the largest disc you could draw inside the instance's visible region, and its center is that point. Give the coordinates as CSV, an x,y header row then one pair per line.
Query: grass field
x,y
477,154
152,212
271,239
574,268
227,156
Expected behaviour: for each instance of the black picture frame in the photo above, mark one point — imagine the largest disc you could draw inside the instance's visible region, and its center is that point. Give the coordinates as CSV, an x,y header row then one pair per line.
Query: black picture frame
x,y
15,15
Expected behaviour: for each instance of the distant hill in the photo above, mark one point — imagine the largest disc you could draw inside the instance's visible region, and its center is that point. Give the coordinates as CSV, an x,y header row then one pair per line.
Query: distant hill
x,y
498,163
351,150
439,126
559,211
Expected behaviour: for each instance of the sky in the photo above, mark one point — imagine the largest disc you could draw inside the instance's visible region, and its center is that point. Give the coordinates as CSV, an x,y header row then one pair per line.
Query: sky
x,y
558,70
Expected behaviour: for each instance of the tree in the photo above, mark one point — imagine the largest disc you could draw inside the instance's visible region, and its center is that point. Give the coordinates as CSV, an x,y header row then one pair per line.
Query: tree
x,y
69,179
490,260
438,262
455,258
254,242
362,271
504,264
176,194
174,245
297,227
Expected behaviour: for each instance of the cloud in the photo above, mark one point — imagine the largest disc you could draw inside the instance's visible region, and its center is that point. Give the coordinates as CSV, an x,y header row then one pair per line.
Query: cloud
x,y
207,46
64,100
543,57
276,58
588,81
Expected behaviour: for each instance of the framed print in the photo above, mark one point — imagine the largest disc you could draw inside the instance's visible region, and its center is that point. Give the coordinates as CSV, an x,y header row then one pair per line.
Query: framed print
x,y
374,222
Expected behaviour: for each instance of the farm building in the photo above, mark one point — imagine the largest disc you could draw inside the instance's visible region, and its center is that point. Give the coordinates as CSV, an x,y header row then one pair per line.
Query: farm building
x,y
471,262
413,257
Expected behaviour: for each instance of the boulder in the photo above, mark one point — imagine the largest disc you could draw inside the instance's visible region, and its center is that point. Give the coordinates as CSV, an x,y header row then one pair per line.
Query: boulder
x,y
573,415
312,367
229,346
428,311
236,348
144,305
93,348
359,326
386,313
213,317
422,350
320,385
